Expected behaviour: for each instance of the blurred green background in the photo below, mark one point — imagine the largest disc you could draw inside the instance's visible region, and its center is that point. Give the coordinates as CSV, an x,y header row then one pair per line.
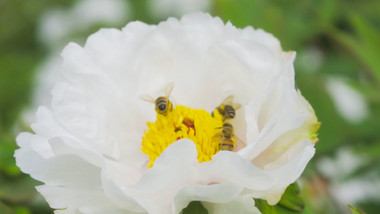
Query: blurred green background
x,y
337,70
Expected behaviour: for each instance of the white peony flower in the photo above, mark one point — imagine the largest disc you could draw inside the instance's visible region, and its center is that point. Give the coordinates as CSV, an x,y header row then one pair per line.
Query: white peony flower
x,y
349,103
101,149
346,189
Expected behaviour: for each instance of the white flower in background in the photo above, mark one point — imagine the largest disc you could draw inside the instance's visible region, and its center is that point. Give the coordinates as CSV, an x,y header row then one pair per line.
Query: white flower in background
x,y
56,25
101,149
310,60
343,164
346,190
56,28
177,8
349,103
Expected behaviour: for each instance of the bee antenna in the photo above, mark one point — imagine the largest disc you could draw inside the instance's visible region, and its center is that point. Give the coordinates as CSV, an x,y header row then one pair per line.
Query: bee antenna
x,y
146,98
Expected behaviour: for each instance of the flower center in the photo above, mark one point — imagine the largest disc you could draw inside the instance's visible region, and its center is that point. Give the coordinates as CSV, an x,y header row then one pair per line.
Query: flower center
x,y
183,122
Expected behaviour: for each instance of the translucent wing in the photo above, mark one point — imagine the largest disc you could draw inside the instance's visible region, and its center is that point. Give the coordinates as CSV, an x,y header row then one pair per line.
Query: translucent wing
x,y
228,100
218,135
239,144
146,98
168,89
236,106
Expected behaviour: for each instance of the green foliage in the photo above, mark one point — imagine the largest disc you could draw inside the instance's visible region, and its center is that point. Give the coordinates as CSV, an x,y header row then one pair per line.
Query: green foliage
x,y
7,162
355,210
5,209
19,55
195,207
291,199
363,45
265,208
291,203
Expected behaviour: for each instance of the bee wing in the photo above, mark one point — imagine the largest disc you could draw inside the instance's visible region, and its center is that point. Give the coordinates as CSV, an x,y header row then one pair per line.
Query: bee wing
x,y
228,100
146,98
236,106
168,89
239,144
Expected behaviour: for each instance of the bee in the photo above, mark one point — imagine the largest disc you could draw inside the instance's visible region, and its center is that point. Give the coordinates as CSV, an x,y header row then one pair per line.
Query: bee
x,y
227,141
162,103
227,108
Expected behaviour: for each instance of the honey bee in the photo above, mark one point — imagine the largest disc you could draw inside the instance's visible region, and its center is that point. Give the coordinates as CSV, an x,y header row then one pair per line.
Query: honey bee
x,y
227,108
162,103
228,140
227,137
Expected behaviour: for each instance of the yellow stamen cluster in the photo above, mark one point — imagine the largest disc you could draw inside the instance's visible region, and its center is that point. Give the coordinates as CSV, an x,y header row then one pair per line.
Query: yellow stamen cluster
x,y
183,122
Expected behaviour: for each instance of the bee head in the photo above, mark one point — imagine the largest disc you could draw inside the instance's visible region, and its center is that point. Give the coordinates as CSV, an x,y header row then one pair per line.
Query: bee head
x,y
163,105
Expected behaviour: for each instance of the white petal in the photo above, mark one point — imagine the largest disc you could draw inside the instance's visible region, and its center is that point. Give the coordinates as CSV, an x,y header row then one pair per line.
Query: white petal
x,y
61,197
28,159
73,183
172,170
288,173
115,193
229,167
71,172
213,193
243,204
96,109
66,146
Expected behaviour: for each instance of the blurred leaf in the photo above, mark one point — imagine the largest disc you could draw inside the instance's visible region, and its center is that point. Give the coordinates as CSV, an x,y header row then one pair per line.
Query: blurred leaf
x,y
291,203
17,189
21,210
291,199
24,16
19,54
290,21
355,210
7,161
264,207
368,33
5,209
365,47
371,151
370,205
239,13
195,207
282,210
327,10
338,65
141,11
15,85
